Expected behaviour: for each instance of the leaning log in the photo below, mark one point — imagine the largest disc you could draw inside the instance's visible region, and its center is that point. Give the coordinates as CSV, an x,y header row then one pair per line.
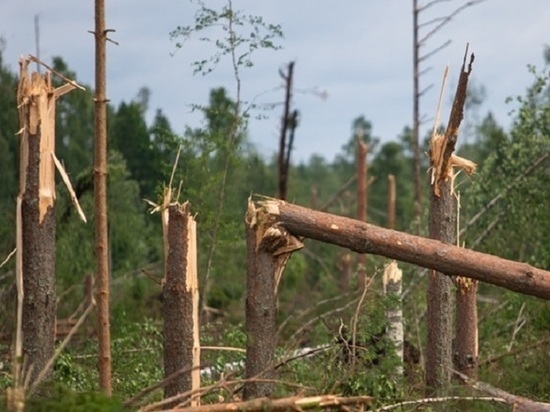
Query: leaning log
x,y
432,254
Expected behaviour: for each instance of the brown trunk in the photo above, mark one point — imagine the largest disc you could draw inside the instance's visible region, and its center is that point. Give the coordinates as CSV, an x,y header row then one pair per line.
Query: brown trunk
x,y
391,202
442,226
344,266
466,342
36,240
180,301
362,150
100,202
416,120
268,250
439,312
432,254
284,155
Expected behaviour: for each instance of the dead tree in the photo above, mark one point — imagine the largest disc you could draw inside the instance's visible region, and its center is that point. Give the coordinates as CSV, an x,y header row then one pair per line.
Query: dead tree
x,y
268,250
100,201
391,202
442,226
362,151
289,122
362,237
180,301
392,282
36,98
419,41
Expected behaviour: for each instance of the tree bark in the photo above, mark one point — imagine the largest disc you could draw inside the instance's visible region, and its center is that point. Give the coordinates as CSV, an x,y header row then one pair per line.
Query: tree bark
x,y
284,155
466,339
180,304
391,202
439,313
36,240
432,254
100,202
416,119
268,250
362,151
392,282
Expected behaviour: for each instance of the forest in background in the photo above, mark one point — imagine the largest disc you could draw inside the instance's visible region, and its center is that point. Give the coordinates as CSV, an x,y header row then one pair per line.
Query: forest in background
x,y
513,169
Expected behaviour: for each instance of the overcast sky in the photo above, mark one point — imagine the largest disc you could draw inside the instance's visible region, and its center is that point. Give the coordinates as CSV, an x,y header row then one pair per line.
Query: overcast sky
x,y
358,53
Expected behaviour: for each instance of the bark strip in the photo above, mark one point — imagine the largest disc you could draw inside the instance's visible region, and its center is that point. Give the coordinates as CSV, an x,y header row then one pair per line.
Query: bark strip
x,y
432,254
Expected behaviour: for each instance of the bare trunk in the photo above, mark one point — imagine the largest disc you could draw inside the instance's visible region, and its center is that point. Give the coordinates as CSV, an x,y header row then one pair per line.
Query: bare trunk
x,y
180,304
394,315
416,120
391,202
466,342
36,240
268,250
442,226
362,150
284,155
429,253
100,201
440,297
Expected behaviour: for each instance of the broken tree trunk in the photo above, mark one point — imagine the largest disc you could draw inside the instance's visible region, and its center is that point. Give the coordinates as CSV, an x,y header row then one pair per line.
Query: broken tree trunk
x,y
429,253
268,249
442,226
465,357
392,282
439,312
36,100
180,301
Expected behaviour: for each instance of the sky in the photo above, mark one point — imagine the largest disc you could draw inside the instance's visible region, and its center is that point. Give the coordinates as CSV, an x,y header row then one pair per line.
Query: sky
x,y
352,58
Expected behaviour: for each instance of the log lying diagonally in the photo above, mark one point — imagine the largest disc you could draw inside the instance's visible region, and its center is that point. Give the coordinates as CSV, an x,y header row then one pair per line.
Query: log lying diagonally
x,y
366,238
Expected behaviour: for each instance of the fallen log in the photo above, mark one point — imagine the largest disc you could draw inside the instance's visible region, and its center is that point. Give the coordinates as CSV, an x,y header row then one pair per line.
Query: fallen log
x,y
367,238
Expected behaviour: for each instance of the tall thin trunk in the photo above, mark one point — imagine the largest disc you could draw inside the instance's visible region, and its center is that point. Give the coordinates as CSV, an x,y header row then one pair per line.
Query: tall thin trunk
x,y
391,202
100,201
362,150
284,154
416,120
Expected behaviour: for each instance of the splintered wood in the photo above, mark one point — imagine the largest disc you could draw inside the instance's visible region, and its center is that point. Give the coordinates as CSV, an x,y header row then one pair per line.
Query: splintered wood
x,y
180,301
442,146
35,222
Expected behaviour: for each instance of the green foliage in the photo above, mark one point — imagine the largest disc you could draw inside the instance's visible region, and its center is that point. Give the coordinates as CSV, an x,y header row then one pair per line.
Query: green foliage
x,y
66,400
9,154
